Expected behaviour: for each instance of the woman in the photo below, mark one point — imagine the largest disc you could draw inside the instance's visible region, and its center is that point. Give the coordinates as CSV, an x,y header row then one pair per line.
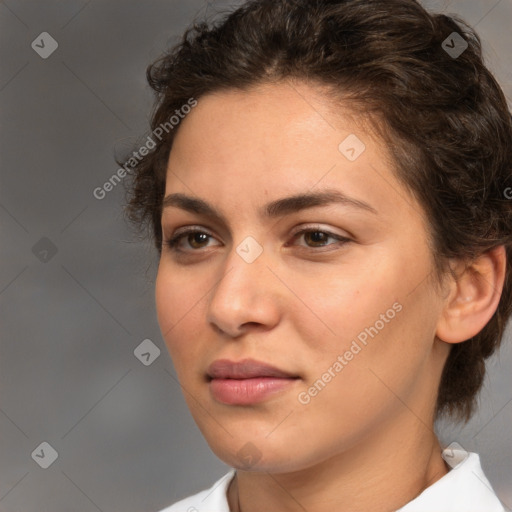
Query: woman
x,y
327,195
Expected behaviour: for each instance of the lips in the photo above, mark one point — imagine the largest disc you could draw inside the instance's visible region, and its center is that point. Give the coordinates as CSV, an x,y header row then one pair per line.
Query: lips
x,y
247,382
246,369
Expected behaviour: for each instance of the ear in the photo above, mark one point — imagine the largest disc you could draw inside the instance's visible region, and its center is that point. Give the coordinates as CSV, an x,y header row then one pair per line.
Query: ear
x,y
473,296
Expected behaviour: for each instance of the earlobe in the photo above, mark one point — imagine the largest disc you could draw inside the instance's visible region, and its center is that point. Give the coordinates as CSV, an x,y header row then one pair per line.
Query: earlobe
x,y
474,296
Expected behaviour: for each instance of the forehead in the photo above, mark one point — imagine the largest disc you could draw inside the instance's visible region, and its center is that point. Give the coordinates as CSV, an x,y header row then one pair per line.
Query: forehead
x,y
280,138
269,126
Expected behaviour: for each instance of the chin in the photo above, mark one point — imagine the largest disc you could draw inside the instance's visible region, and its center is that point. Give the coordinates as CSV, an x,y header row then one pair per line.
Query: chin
x,y
260,454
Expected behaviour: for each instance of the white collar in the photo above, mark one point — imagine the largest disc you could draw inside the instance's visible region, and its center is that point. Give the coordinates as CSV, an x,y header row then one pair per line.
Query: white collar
x,y
464,489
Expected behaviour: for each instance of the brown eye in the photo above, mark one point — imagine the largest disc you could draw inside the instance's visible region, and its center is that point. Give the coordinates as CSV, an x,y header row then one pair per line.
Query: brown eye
x,y
316,238
189,240
196,240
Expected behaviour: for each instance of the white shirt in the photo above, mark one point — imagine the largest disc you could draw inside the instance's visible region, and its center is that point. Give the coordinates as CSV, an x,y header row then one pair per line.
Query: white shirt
x,y
463,489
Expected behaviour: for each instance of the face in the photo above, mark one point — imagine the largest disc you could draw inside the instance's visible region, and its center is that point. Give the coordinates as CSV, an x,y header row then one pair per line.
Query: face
x,y
330,289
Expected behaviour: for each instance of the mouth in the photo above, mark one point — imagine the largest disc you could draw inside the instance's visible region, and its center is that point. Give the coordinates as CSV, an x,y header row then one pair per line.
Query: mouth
x,y
245,369
246,382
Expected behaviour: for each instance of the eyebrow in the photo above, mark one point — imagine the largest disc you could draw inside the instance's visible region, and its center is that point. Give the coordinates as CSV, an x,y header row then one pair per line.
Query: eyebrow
x,y
274,209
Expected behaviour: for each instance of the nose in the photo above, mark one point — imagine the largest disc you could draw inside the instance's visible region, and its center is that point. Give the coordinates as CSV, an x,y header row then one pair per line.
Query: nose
x,y
247,296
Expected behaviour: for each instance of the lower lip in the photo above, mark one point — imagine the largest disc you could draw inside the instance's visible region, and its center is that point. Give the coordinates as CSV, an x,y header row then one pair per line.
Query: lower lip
x,y
247,391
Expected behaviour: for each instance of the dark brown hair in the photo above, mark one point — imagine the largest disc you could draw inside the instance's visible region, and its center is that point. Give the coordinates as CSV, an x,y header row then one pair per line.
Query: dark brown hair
x,y
443,116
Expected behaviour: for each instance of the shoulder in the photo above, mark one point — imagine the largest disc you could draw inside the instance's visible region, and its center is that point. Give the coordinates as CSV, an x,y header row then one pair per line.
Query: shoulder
x,y
464,489
210,500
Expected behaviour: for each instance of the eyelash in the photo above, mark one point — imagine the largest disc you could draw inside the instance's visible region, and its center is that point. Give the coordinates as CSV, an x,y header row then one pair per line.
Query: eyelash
x,y
173,242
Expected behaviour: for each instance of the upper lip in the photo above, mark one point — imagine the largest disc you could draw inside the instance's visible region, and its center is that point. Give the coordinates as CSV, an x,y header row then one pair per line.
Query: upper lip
x,y
245,369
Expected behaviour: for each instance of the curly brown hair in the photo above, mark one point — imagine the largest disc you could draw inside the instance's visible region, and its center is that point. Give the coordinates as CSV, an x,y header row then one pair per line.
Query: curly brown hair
x,y
443,116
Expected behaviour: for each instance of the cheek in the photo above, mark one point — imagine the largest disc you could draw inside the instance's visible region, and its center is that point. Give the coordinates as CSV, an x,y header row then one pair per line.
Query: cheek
x,y
341,307
178,305
166,302
370,329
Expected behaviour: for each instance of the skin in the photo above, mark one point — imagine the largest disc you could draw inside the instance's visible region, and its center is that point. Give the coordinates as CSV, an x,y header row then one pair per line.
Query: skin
x,y
366,441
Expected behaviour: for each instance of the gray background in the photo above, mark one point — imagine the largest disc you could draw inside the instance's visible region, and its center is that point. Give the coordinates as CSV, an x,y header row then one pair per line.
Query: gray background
x,y
71,320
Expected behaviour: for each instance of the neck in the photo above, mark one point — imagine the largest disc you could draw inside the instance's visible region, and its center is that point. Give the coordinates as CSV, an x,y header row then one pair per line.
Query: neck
x,y
377,474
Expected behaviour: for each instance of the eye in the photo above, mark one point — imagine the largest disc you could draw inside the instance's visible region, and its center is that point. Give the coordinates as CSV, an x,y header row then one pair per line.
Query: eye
x,y
316,237
193,237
